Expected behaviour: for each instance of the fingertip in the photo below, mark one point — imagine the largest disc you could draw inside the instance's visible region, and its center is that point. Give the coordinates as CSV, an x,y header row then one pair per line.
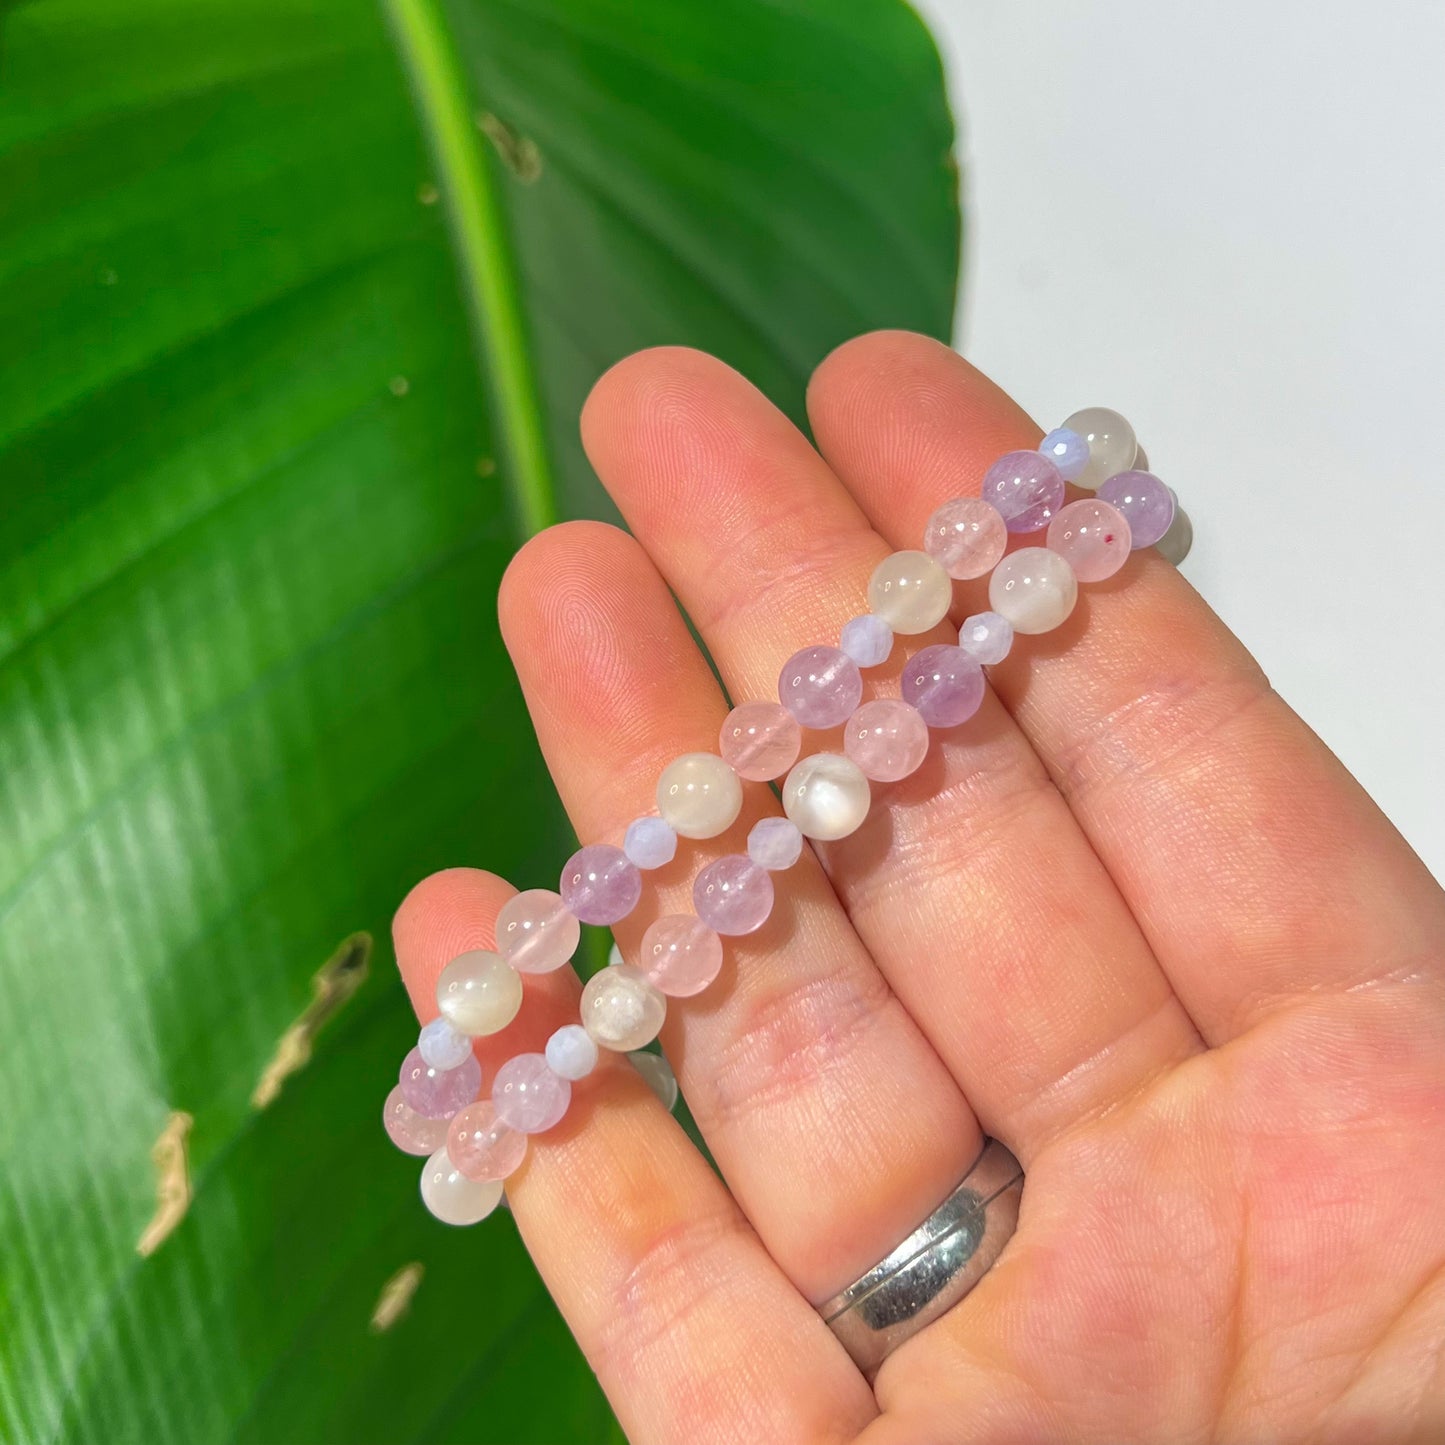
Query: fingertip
x,y
447,913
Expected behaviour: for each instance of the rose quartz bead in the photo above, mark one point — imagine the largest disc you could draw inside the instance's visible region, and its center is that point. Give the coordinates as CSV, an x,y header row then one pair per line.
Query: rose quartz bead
x,y
680,955
439,1093
887,738
966,536
1092,537
411,1132
600,884
1026,488
820,686
528,1096
760,741
535,932
483,1147
733,896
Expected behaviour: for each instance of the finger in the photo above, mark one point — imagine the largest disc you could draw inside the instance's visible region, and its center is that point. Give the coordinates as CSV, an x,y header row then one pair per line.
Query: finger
x,y
834,1124
693,1332
1241,844
986,910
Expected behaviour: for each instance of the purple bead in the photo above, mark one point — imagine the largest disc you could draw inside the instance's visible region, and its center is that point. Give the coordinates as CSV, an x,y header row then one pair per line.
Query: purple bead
x,y
528,1096
820,686
1147,505
945,684
1067,450
439,1093
986,637
867,639
600,884
733,896
1026,488
650,843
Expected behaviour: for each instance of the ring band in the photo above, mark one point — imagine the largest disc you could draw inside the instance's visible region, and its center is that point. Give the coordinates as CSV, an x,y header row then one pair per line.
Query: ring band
x,y
935,1266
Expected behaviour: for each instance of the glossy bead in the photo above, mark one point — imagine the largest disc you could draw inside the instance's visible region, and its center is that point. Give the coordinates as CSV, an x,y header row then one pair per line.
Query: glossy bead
x,y
483,1147
411,1132
1112,445
658,1073
966,537
887,738
438,1093
1092,537
442,1046
910,592
528,1096
733,896
600,884
760,741
826,796
479,993
621,1010
680,955
699,795
1034,589
820,686
775,843
868,640
1026,488
1145,502
649,843
1174,545
535,932
944,683
986,637
571,1053
1067,450
452,1197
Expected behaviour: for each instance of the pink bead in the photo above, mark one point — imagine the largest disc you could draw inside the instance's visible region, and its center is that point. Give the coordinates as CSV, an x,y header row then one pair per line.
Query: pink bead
x,y
1092,537
528,1096
439,1093
887,738
966,537
760,741
733,896
820,686
411,1132
600,884
680,955
535,933
481,1146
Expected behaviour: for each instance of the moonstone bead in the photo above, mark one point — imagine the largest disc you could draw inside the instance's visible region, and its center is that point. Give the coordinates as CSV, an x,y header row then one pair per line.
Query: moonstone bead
x,y
600,884
966,537
868,640
986,637
887,738
820,686
438,1093
1145,502
826,796
649,843
1174,545
699,795
910,591
452,1197
442,1046
479,993
944,683
1034,588
733,896
535,932
775,843
680,955
1067,450
614,955
621,1010
1026,488
483,1147
571,1054
528,1096
411,1132
1092,537
658,1073
760,741
1112,445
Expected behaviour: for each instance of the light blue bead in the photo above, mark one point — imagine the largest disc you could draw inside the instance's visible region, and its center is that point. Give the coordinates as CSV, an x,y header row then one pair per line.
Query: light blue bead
x,y
1067,450
571,1054
867,639
986,637
649,843
775,843
443,1047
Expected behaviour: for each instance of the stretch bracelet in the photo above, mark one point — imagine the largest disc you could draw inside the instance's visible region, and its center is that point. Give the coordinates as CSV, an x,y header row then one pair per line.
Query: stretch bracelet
x,y
474,1141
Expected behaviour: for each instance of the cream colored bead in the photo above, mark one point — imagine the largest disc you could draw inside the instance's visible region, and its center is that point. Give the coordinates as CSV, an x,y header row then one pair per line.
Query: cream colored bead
x,y
1112,445
1034,588
452,1197
621,1010
910,592
826,796
699,796
479,993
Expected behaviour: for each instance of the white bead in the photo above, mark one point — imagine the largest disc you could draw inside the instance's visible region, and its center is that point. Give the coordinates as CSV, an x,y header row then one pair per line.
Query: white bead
x,y
1112,445
699,796
571,1054
442,1046
658,1073
454,1198
1034,589
1174,545
614,955
826,796
479,993
621,1009
910,592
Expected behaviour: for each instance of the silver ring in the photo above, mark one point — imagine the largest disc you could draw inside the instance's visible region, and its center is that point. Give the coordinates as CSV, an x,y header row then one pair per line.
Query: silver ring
x,y
935,1266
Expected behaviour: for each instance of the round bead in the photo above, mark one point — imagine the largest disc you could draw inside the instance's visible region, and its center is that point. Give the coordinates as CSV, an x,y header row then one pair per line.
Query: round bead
x,y
438,1093
1174,545
868,640
820,686
910,592
1026,488
614,955
1092,537
760,741
528,1096
680,955
1034,588
887,738
479,993
600,884
452,1197
699,795
658,1073
621,1010
1067,450
733,896
826,796
483,1147
966,537
1112,445
1145,502
986,637
535,932
944,683
571,1054
411,1132
442,1046
775,843
649,843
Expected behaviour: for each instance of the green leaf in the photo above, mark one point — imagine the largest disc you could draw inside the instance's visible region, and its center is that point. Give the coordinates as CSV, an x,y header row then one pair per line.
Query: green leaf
x,y
298,303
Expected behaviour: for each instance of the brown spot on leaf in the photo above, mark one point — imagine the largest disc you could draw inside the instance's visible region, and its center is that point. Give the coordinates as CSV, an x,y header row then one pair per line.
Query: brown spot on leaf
x,y
395,1297
486,466
173,1182
519,153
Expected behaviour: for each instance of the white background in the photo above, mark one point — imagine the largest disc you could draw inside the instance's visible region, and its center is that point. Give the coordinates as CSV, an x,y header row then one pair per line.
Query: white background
x,y
1227,221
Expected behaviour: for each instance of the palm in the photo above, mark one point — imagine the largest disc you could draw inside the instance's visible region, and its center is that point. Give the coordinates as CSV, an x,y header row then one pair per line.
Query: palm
x,y
1133,920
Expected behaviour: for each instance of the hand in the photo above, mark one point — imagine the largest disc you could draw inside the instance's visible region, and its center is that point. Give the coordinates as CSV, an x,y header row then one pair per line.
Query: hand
x,y
1133,919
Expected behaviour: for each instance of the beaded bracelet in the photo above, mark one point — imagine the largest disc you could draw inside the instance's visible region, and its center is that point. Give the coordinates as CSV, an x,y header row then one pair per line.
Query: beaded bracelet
x,y
474,1143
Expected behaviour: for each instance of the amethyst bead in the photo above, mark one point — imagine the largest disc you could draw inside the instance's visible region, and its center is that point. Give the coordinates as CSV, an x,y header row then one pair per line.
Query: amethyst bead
x,y
439,1093
600,884
867,640
986,637
733,896
1147,505
528,1096
1026,488
945,684
1067,450
820,686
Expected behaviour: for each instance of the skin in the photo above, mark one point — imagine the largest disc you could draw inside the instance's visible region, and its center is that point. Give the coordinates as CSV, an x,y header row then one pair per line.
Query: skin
x,y
1133,919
